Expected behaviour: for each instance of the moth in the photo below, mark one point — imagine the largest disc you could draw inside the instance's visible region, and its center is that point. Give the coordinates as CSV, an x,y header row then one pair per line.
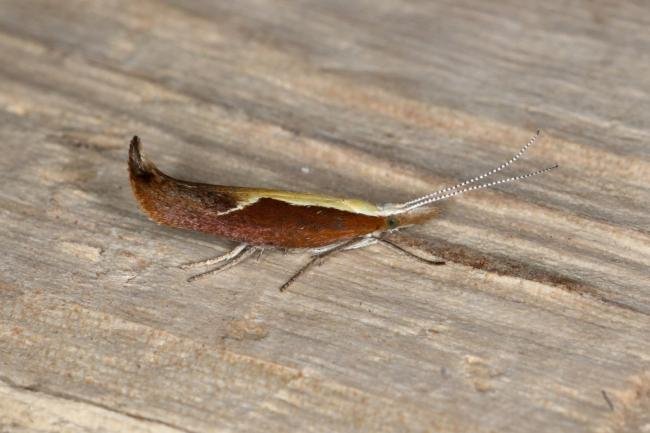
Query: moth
x,y
260,218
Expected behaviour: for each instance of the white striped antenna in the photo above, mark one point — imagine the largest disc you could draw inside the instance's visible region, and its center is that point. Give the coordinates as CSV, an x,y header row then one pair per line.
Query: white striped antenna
x,y
416,202
475,187
458,189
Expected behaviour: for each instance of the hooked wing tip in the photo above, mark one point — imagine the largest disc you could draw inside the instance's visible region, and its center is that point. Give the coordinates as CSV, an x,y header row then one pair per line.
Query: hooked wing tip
x,y
135,155
138,164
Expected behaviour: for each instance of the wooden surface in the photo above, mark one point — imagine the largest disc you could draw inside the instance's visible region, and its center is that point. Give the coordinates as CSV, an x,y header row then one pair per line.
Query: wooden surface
x,y
539,322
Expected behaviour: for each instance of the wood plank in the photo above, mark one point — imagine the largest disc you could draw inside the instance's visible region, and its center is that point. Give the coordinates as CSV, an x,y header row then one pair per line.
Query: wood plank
x,y
539,321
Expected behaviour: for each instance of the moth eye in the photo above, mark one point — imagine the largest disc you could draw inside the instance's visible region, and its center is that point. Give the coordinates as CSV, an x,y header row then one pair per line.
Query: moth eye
x,y
392,223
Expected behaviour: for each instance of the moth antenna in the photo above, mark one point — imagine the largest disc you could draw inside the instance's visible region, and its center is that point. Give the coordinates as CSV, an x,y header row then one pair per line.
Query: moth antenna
x,y
475,187
411,203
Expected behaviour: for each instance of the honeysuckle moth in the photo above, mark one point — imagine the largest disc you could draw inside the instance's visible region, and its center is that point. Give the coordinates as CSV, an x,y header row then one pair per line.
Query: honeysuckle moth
x,y
259,218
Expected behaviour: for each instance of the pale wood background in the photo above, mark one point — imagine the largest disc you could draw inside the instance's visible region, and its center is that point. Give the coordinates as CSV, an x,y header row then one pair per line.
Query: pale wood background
x,y
540,321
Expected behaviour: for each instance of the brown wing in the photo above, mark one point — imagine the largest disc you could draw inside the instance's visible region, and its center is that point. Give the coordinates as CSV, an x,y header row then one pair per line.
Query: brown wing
x,y
274,222
223,211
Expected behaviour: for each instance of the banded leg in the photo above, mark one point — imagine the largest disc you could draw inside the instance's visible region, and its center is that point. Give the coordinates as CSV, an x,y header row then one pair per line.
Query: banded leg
x,y
222,258
242,254
408,253
362,243
348,245
321,253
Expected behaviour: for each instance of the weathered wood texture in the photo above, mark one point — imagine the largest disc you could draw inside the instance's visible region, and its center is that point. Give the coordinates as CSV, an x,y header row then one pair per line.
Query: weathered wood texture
x,y
540,321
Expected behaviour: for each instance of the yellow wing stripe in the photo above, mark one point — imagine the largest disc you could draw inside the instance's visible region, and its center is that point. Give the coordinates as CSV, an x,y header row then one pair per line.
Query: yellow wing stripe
x,y
247,196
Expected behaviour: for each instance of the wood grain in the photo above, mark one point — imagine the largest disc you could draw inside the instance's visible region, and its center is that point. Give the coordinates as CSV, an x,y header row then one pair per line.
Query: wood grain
x,y
539,322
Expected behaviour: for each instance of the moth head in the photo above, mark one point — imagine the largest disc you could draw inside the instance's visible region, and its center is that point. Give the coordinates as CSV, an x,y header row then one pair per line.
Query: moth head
x,y
416,216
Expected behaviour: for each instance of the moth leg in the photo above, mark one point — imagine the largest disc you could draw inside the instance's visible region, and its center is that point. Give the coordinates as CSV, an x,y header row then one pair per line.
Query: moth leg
x,y
347,245
259,255
317,258
322,250
222,258
362,243
408,253
242,255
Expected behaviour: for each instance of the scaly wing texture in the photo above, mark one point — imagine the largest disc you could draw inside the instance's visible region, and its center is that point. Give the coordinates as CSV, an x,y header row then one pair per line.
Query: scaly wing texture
x,y
255,216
